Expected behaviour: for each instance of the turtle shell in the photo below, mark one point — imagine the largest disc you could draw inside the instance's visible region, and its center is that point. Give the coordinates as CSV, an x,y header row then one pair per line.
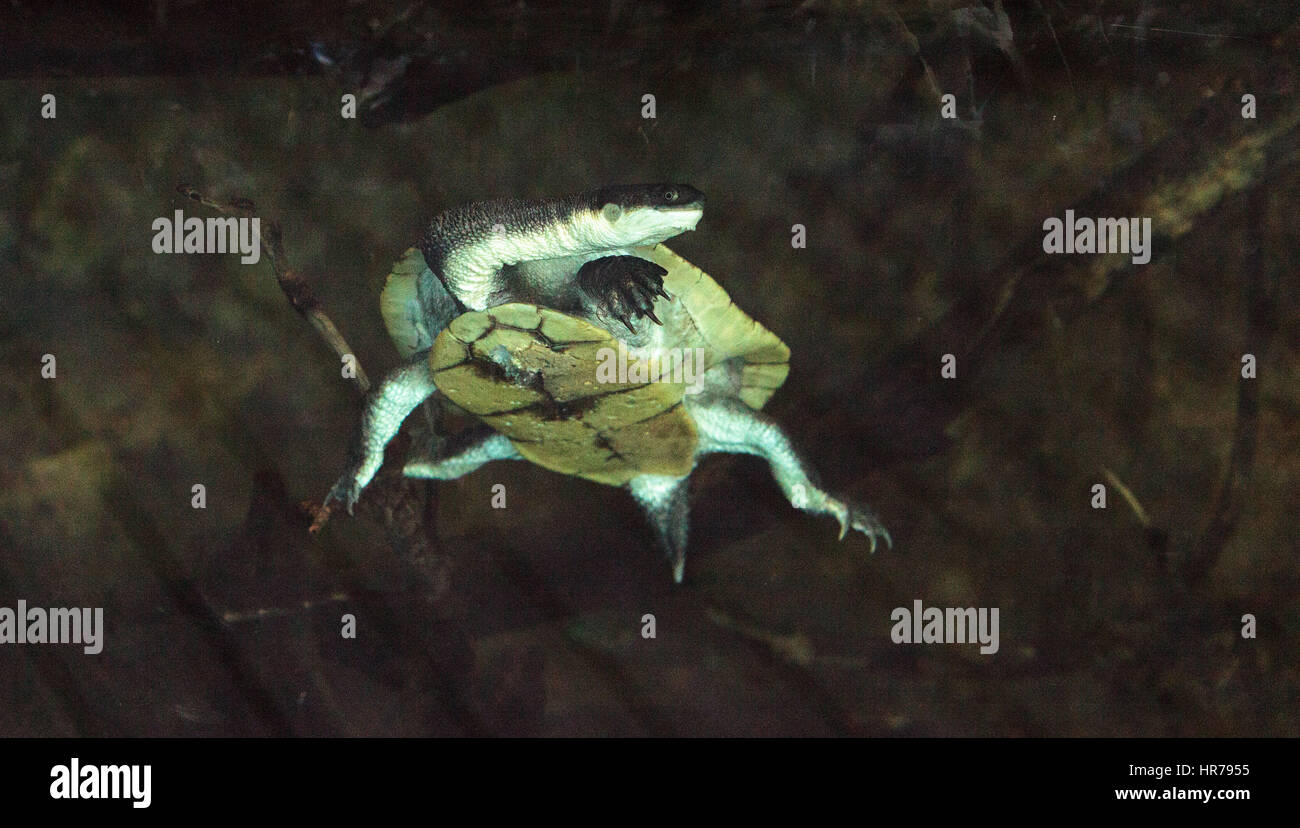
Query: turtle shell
x,y
722,329
542,378
535,375
400,304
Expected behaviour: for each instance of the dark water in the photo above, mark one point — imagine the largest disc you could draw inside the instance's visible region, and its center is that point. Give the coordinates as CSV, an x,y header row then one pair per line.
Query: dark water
x,y
924,238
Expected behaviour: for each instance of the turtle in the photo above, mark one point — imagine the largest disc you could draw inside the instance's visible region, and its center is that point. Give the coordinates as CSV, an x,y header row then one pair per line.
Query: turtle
x,y
592,270
570,253
578,399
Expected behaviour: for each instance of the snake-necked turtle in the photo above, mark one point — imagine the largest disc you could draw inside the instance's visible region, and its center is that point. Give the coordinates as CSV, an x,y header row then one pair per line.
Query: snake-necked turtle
x,y
507,308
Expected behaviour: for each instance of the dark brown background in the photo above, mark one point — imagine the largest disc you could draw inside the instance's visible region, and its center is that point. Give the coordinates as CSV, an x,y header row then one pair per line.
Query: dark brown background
x,y
174,370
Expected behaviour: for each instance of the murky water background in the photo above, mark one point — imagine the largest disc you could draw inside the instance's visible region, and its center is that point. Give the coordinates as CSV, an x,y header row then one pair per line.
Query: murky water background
x,y
174,370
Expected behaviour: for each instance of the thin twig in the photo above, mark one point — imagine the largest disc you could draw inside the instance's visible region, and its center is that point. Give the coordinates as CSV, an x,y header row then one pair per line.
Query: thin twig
x,y
262,613
296,289
1262,275
1069,76
1179,31
1129,497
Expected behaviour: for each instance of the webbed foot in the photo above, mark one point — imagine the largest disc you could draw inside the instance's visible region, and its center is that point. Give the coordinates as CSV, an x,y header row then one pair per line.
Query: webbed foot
x,y
853,516
731,426
386,406
624,287
346,492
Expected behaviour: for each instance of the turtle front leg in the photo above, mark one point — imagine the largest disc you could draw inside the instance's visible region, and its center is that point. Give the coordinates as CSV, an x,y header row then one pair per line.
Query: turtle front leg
x,y
386,407
462,454
622,288
664,500
729,426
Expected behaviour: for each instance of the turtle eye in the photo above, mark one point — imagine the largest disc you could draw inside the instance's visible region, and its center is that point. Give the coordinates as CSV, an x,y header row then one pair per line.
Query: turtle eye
x,y
612,212
670,195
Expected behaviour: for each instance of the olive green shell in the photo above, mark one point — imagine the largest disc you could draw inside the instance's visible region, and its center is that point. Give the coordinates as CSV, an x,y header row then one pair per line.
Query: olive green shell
x,y
400,305
534,374
553,406
722,329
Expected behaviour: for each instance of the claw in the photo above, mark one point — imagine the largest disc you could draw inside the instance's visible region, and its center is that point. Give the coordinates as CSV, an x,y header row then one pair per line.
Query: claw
x,y
345,492
876,532
642,301
629,298
651,284
861,519
842,515
872,528
624,286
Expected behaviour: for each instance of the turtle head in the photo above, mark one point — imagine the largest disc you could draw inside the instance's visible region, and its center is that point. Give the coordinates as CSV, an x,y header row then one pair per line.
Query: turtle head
x,y
635,215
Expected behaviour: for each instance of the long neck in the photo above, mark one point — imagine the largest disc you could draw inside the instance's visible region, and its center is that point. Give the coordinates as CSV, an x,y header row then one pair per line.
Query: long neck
x,y
469,246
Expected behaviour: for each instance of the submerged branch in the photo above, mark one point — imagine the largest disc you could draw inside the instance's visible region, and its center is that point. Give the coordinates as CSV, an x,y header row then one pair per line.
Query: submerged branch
x,y
295,288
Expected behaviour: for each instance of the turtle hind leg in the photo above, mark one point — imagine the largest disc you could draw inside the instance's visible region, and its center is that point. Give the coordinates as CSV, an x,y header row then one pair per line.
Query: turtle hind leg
x,y
664,500
386,407
463,453
729,426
